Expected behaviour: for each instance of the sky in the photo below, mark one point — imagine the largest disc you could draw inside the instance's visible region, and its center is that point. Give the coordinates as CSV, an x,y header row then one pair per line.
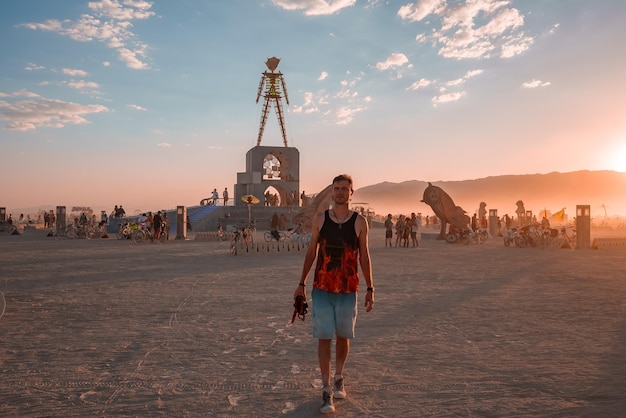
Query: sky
x,y
152,104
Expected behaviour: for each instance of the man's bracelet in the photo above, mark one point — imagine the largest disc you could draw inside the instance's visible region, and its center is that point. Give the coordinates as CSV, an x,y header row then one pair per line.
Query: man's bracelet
x,y
302,284
370,289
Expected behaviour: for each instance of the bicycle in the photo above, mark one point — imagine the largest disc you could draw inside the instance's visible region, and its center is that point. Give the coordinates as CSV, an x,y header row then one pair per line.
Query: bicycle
x,y
9,228
221,235
242,234
125,231
274,235
143,233
296,236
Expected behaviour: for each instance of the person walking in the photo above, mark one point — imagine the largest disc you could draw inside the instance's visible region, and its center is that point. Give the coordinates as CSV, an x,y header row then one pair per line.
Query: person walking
x,y
339,242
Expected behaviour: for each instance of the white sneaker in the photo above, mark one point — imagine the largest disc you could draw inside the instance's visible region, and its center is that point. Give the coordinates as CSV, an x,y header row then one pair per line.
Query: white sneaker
x,y
339,391
327,401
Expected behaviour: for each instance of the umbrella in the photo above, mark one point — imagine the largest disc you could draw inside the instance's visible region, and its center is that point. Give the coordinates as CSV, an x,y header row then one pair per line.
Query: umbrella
x,y
250,199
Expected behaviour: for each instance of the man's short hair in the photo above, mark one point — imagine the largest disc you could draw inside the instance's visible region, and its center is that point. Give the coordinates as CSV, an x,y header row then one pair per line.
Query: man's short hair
x,y
344,177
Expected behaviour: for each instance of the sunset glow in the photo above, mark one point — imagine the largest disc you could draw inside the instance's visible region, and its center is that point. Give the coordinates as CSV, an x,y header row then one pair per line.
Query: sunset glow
x,y
152,104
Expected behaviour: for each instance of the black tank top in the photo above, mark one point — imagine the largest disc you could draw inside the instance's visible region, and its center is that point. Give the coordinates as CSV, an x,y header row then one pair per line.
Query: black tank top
x,y
338,255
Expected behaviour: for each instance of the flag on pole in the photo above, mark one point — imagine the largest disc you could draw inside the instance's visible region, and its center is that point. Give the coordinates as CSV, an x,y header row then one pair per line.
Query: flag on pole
x,y
559,216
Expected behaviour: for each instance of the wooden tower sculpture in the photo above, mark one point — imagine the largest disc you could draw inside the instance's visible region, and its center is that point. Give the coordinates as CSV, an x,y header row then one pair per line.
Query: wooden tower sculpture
x,y
273,82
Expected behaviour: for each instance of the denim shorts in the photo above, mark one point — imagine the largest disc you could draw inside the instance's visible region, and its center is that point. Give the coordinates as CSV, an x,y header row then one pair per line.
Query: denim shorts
x,y
333,313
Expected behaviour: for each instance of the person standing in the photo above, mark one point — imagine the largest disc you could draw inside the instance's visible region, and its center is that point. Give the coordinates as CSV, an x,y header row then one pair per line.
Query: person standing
x,y
339,242
388,230
214,196
415,223
156,222
225,195
400,225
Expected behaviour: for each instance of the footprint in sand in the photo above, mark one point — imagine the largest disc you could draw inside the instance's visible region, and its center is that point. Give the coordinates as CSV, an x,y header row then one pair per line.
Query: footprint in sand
x,y
317,383
234,400
279,385
295,369
289,407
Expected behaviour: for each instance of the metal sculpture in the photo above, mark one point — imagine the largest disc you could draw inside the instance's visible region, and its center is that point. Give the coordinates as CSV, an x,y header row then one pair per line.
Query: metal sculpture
x,y
444,208
273,82
320,203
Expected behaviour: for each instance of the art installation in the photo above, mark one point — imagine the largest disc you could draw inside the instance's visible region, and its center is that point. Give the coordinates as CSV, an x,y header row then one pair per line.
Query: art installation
x,y
444,208
320,202
272,82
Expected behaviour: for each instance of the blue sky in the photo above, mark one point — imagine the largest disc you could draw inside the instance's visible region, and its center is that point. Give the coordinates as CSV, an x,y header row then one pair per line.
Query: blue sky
x,y
151,104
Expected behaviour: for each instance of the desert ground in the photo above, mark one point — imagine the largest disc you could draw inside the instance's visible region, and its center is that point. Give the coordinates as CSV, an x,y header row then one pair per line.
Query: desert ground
x,y
185,329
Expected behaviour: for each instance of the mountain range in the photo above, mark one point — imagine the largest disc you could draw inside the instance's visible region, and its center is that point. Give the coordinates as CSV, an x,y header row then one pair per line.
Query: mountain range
x,y
604,191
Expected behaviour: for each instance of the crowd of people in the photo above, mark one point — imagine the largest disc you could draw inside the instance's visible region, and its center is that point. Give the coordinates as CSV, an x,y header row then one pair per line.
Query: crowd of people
x,y
406,228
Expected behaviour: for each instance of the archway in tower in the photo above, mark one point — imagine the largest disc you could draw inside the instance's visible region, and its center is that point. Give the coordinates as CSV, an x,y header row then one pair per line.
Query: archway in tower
x,y
274,196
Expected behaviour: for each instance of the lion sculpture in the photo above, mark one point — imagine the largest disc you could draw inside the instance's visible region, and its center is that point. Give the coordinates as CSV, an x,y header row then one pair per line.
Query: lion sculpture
x,y
444,208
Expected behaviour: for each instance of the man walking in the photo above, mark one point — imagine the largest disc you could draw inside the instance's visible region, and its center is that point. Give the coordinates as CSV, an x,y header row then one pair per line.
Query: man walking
x,y
339,241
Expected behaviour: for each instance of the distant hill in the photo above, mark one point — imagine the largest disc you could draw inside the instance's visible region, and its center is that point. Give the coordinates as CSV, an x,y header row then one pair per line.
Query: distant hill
x,y
602,190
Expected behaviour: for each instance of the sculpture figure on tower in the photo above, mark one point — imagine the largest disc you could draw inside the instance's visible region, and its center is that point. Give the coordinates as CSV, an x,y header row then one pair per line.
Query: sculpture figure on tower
x,y
270,88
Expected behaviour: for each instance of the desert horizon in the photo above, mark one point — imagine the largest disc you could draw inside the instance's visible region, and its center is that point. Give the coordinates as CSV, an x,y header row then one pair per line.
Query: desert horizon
x,y
550,192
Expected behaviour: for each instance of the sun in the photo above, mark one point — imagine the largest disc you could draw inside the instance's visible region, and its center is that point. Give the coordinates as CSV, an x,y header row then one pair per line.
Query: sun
x,y
618,158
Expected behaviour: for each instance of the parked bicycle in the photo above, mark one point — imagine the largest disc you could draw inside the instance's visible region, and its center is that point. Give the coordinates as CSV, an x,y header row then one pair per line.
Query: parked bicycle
x,y
144,234
9,228
274,235
296,236
125,231
466,236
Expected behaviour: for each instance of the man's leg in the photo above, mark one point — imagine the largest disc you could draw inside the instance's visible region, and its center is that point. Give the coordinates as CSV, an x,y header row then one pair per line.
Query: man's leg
x,y
323,353
342,349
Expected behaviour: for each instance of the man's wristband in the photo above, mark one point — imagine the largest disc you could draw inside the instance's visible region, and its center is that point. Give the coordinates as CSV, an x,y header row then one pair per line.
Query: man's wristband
x,y
302,284
370,289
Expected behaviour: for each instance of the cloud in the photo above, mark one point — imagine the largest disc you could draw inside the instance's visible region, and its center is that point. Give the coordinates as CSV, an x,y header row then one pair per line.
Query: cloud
x,y
462,80
533,84
344,115
83,85
472,28
35,112
323,76
315,7
164,145
75,73
394,60
554,28
33,67
110,24
340,106
136,107
420,84
447,97
421,9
